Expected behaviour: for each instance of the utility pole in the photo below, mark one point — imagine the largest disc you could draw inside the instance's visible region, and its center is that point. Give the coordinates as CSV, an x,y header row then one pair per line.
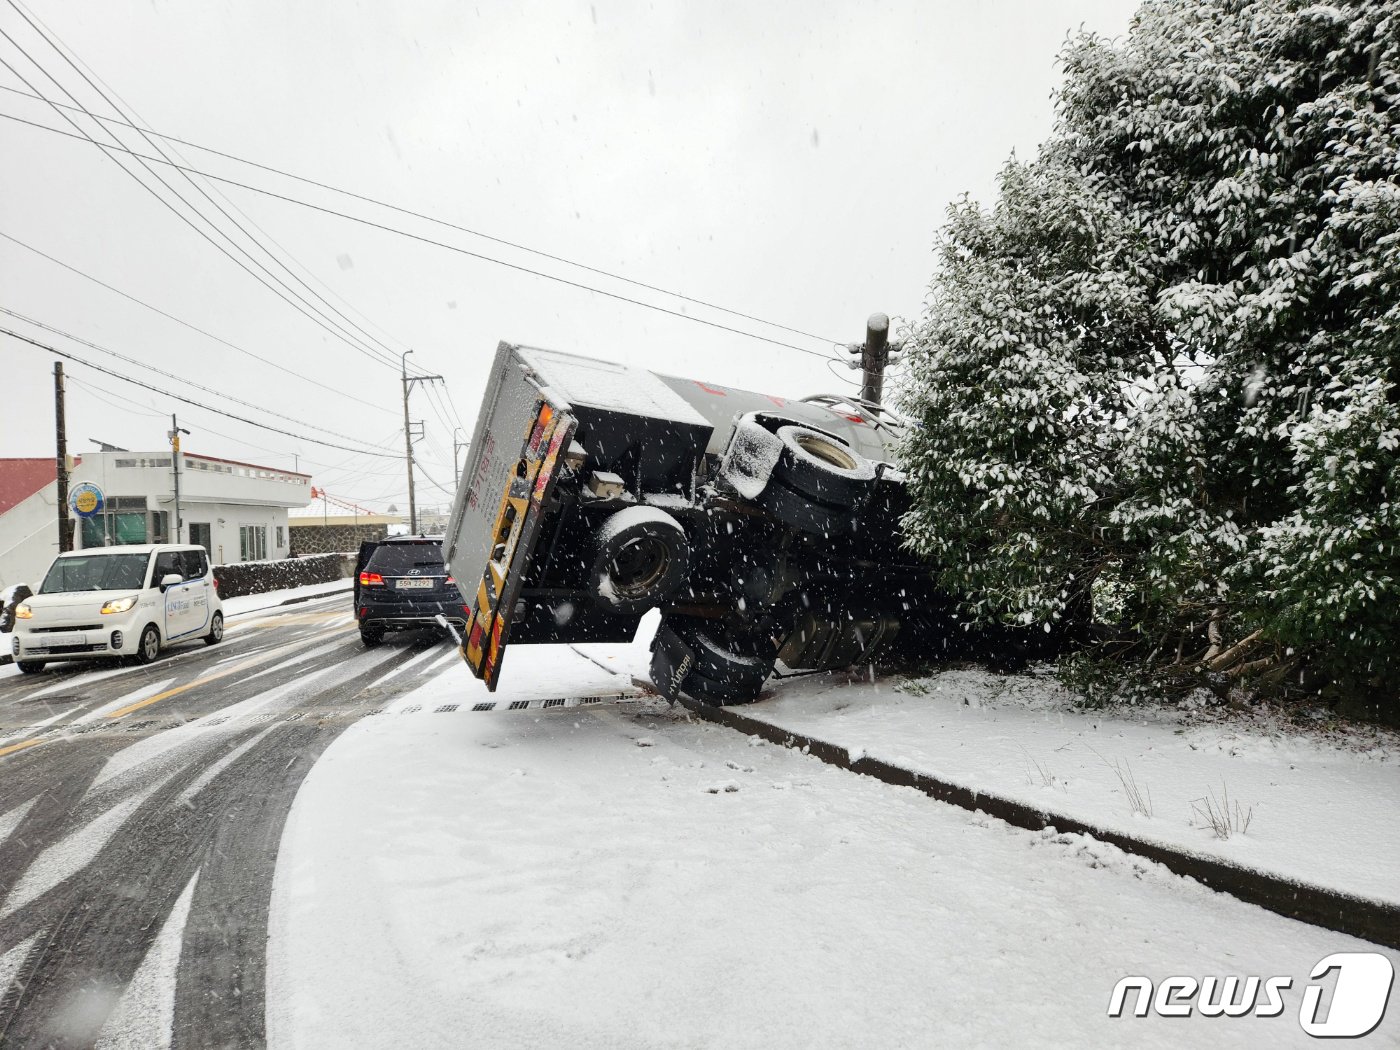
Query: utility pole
x,y
875,353
408,382
457,446
873,356
65,527
174,436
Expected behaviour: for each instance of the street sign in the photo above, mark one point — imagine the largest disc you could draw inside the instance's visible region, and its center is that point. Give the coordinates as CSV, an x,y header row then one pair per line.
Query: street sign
x,y
86,500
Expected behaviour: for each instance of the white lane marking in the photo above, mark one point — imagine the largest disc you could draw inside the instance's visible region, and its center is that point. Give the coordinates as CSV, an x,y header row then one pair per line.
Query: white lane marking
x,y
8,822
240,656
127,698
202,781
86,678
404,667
82,678
447,659
74,851
156,745
297,659
12,960
144,1018
30,729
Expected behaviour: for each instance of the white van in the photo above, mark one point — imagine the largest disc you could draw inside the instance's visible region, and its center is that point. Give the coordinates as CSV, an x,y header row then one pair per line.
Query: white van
x,y
118,601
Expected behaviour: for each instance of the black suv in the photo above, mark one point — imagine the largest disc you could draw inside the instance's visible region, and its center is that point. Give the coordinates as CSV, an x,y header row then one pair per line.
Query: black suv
x,y
401,583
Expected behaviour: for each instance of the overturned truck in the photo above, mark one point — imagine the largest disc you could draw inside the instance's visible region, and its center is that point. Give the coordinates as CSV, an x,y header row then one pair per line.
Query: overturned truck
x,y
764,529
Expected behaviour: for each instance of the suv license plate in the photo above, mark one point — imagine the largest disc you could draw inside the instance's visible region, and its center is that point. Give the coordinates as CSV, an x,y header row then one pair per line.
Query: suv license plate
x,y
415,585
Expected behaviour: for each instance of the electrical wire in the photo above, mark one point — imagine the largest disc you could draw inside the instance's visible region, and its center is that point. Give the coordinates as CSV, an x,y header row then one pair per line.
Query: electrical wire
x,y
182,398
168,375
281,289
442,244
474,233
53,40
191,327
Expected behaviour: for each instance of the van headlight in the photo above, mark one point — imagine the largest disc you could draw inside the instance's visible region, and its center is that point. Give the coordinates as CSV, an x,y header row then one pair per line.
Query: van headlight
x,y
119,605
23,611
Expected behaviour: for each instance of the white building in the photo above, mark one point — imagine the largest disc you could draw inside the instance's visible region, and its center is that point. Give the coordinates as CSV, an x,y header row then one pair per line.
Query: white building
x,y
237,511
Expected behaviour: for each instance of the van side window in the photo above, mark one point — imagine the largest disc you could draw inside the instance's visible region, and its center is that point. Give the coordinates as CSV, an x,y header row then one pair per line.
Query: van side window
x,y
193,565
166,563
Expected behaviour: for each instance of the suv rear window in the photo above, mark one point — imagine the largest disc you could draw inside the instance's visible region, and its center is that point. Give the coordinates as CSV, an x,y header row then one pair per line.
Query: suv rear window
x,y
396,559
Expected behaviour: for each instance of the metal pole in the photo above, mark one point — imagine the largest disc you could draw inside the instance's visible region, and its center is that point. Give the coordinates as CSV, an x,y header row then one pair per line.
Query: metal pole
x,y
65,527
408,443
873,356
175,465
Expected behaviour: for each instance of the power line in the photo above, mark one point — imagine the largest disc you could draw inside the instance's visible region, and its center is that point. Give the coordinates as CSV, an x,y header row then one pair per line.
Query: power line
x,y
168,375
474,233
281,290
442,244
186,324
50,38
186,400
68,55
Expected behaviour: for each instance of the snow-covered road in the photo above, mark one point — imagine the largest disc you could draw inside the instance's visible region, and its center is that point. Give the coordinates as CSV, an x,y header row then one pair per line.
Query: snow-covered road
x,y
625,877
289,839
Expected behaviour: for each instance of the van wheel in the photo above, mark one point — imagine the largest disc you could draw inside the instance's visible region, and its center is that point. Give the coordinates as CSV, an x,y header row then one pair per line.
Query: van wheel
x,y
371,636
216,630
30,666
149,647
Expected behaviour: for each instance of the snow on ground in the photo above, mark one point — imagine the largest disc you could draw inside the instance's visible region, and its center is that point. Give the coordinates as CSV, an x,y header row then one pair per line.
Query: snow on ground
x,y
619,876
268,599
1323,806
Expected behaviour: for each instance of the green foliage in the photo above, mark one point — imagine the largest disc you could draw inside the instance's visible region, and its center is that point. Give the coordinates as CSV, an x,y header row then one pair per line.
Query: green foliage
x,y
1163,369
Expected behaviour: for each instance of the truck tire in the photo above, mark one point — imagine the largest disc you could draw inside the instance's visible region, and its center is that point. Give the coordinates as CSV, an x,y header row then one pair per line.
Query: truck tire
x,y
722,671
819,466
804,513
642,557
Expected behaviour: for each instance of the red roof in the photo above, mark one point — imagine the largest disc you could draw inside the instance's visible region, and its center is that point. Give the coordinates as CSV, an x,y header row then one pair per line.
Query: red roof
x,y
21,478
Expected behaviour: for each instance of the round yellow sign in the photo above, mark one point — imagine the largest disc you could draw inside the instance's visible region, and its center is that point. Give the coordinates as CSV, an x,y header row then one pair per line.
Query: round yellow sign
x,y
85,502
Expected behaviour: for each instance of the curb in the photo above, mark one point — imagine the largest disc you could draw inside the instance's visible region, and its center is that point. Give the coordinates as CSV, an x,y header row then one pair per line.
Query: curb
x,y
291,601
1361,917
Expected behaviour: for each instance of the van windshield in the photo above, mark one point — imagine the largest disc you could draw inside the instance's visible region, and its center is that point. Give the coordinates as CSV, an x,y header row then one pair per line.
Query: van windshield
x,y
96,572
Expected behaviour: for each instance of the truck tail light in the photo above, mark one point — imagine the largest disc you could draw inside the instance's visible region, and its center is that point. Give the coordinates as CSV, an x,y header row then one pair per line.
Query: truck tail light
x,y
371,579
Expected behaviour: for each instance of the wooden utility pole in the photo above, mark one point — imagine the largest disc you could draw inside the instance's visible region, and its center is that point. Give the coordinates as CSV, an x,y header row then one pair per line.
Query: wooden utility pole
x,y
875,353
873,357
408,382
175,433
65,526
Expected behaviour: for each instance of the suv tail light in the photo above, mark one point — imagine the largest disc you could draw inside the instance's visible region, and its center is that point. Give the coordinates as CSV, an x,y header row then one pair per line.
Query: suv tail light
x,y
371,579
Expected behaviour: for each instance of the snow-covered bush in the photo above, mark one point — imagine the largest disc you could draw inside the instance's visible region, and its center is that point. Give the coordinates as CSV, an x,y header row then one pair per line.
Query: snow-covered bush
x,y
1161,374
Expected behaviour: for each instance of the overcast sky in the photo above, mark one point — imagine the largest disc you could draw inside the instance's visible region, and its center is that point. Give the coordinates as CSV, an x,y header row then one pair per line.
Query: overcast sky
x,y
790,161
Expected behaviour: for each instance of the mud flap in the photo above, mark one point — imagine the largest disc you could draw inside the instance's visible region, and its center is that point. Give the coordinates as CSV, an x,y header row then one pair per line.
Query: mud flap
x,y
672,660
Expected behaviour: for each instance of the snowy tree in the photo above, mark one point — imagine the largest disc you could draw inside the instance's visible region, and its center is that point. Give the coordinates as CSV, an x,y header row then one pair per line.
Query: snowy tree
x,y
1164,368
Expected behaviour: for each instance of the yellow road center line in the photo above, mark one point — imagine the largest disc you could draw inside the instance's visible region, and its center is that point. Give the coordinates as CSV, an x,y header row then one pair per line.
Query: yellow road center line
x,y
261,658
252,661
18,747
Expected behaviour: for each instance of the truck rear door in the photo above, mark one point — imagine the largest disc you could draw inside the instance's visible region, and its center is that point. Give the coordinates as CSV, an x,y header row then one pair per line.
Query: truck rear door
x,y
517,446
